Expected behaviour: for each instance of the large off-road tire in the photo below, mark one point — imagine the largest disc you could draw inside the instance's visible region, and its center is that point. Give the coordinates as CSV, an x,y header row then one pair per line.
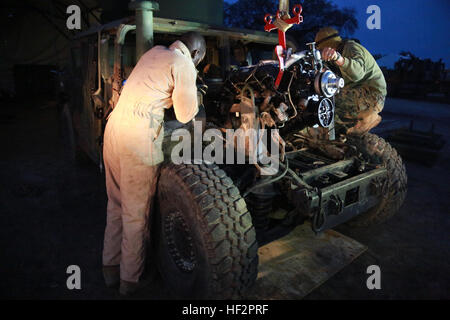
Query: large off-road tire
x,y
377,151
206,243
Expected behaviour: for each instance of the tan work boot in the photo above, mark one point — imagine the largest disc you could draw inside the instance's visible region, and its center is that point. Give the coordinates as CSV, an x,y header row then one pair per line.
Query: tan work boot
x,y
128,288
367,121
111,275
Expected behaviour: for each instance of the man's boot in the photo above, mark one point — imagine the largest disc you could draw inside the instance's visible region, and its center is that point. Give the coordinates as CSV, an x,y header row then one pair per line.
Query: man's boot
x,y
111,275
367,120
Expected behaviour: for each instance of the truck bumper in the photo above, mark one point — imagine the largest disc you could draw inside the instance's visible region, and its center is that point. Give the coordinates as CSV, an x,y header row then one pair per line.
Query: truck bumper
x,y
342,201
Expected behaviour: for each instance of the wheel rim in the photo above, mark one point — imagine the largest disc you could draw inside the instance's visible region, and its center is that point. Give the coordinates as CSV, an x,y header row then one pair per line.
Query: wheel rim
x,y
179,242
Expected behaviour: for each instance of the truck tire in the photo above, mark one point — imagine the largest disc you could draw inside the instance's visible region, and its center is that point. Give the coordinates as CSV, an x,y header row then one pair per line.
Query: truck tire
x,y
376,150
206,243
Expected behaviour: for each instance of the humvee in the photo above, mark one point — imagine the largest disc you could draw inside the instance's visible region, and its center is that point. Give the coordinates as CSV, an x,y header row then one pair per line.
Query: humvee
x,y
211,218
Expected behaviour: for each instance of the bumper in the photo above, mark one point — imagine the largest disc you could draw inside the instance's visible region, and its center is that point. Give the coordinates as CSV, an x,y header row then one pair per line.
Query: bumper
x,y
337,203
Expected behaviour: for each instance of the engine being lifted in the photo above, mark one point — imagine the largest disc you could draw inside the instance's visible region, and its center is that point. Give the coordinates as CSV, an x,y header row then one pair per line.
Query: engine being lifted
x,y
304,97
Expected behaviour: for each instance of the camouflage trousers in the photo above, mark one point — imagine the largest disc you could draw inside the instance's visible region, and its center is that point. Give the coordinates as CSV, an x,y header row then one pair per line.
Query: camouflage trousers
x,y
357,109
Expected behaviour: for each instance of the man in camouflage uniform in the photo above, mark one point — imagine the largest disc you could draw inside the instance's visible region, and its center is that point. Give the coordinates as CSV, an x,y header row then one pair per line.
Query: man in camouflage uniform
x,y
362,98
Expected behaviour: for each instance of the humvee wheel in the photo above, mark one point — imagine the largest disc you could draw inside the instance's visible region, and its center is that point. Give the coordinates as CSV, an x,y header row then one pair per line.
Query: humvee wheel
x,y
206,243
377,151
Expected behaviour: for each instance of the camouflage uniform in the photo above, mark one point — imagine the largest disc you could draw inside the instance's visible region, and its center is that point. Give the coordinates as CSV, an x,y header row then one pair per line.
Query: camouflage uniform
x,y
363,96
350,102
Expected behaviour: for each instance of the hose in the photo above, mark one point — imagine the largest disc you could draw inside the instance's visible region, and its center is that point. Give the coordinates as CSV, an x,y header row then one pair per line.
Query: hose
x,y
290,98
262,184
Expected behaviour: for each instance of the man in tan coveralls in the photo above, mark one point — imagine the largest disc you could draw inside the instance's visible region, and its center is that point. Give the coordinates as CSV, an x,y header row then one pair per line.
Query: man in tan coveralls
x,y
362,98
132,151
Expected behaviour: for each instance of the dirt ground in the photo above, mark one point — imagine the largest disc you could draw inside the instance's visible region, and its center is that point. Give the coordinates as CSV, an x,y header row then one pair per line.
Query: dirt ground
x,y
52,215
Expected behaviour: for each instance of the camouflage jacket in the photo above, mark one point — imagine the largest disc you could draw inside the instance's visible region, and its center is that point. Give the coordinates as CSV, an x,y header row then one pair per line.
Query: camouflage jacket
x,y
360,68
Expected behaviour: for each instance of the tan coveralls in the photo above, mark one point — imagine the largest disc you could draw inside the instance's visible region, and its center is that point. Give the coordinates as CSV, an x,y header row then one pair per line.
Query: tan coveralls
x,y
132,149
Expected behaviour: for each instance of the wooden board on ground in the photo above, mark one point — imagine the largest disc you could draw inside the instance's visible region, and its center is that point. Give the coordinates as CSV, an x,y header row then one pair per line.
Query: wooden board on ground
x,y
296,264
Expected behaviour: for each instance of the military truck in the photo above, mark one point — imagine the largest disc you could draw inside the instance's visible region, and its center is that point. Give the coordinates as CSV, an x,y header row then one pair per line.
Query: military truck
x,y
212,217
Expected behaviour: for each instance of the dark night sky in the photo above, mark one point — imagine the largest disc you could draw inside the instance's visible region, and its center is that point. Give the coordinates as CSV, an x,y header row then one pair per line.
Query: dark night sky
x,y
421,27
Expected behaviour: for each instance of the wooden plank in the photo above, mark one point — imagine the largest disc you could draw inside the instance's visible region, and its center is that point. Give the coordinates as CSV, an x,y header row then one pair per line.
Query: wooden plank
x,y
293,266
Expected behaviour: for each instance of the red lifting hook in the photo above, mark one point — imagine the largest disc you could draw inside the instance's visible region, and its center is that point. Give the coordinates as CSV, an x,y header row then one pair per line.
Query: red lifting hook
x,y
281,48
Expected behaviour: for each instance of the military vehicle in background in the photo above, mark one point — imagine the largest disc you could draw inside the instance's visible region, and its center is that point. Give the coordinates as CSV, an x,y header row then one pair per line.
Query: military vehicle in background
x,y
413,77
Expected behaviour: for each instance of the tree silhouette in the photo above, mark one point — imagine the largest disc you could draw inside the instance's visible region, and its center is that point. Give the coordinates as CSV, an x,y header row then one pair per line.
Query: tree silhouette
x,y
249,14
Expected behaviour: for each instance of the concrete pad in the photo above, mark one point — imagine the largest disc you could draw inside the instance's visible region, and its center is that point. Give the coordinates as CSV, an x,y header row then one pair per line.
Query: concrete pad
x,y
293,266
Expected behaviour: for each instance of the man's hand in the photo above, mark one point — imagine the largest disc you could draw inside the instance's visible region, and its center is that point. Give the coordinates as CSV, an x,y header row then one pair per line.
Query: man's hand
x,y
330,54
